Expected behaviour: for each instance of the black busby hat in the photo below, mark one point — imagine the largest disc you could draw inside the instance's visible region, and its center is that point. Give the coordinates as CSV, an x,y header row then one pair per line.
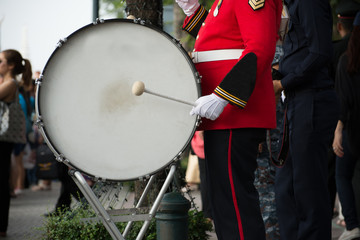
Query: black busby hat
x,y
347,8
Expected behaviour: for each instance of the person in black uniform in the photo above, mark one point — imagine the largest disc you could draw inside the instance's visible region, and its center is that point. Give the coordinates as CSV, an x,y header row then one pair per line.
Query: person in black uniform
x,y
312,108
346,11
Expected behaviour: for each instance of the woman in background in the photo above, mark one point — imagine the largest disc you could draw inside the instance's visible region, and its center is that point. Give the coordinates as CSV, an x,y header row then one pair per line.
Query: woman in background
x,y
346,144
12,65
18,172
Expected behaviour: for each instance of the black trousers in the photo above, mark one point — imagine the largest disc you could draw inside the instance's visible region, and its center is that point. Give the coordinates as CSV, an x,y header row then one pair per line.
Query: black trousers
x,y
230,165
68,188
301,185
5,161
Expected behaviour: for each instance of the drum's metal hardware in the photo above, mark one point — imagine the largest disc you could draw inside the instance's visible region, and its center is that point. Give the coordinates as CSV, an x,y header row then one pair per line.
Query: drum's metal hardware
x,y
97,21
139,20
61,158
38,81
177,42
61,42
144,178
99,179
198,122
39,123
177,157
198,77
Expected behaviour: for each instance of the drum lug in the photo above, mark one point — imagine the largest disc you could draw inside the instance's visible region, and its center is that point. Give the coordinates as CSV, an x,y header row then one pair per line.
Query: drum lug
x,y
198,122
177,157
61,158
39,123
144,178
97,21
99,179
61,42
139,20
177,42
198,77
38,81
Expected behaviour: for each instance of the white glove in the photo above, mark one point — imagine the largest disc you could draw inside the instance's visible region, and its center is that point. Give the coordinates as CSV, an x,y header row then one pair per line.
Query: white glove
x,y
188,6
209,106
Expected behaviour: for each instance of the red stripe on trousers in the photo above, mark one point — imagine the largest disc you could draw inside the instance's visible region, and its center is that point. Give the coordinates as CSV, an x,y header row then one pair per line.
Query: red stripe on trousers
x,y
233,190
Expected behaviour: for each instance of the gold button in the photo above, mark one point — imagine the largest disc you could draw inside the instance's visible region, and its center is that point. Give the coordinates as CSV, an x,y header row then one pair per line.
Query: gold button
x,y
203,24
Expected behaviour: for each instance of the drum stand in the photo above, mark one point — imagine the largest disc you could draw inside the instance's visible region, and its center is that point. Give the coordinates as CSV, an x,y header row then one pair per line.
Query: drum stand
x,y
109,221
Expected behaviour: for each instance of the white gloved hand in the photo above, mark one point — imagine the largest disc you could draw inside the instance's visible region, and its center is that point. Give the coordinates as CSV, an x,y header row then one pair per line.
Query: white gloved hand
x,y
209,106
188,6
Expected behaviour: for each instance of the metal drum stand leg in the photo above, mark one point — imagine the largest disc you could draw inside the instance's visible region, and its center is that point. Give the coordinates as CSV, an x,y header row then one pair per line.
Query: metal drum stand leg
x,y
108,221
96,205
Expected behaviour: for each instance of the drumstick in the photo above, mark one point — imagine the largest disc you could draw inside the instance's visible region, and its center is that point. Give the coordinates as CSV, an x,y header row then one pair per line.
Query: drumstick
x,y
138,89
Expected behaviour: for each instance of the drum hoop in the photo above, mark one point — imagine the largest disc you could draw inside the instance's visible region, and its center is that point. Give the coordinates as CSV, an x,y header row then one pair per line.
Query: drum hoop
x,y
60,157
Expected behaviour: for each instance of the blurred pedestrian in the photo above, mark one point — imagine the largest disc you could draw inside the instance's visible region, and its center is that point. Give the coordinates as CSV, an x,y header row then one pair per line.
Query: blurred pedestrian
x,y
266,169
36,140
302,196
18,173
346,144
345,11
12,64
68,190
197,147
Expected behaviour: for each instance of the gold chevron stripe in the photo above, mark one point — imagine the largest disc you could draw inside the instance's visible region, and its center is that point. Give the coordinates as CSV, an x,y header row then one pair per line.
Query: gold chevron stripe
x,y
256,4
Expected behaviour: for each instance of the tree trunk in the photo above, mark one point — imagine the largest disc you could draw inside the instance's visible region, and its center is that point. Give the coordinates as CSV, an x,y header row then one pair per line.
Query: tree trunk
x,y
149,10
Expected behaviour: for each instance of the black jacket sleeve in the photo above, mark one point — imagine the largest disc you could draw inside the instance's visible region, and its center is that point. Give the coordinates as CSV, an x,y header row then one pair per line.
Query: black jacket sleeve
x,y
239,83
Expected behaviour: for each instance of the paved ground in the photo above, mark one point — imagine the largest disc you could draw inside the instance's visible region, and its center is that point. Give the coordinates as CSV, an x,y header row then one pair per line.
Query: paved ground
x,y
27,209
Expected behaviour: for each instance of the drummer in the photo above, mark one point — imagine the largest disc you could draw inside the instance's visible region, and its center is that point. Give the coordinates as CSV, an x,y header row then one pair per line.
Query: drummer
x,y
234,48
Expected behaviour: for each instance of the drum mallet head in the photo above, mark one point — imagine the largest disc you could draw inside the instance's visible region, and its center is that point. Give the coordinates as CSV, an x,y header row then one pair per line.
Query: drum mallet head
x,y
138,88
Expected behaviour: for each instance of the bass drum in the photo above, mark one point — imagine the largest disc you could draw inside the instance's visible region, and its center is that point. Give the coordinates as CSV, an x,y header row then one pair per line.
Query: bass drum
x,y
86,110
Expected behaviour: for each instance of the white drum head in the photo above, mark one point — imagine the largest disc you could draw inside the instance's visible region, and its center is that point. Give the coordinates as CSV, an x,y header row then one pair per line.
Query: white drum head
x,y
89,113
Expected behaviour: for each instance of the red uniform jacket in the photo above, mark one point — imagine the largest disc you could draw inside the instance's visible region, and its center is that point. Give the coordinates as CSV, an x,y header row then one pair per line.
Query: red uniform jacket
x,y
251,25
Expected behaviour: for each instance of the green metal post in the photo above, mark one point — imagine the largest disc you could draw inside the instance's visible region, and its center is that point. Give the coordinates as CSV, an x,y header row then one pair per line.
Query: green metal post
x,y
172,217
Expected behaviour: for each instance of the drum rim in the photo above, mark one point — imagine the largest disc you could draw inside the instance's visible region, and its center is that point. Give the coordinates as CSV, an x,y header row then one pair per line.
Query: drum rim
x,y
60,157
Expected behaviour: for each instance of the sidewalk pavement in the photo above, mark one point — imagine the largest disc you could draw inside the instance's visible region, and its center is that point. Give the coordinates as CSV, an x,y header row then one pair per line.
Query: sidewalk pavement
x,y
26,213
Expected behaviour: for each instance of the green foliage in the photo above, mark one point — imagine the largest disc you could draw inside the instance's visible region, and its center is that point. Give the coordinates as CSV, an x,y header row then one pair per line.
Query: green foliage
x,y
198,226
69,225
115,7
